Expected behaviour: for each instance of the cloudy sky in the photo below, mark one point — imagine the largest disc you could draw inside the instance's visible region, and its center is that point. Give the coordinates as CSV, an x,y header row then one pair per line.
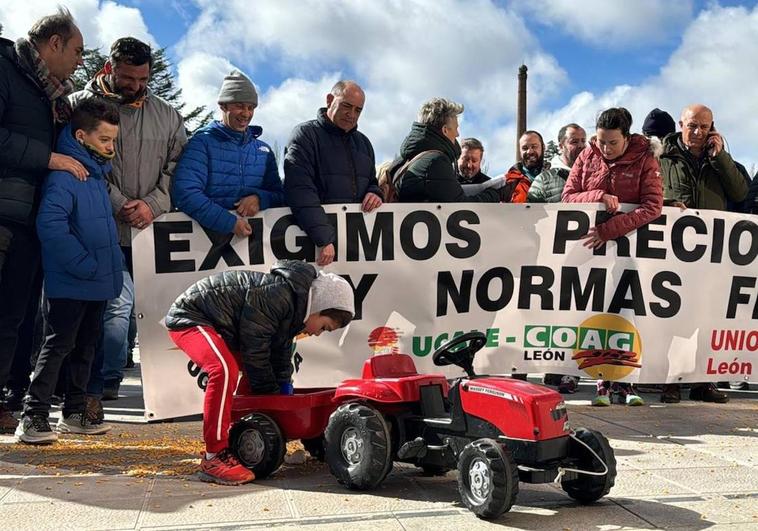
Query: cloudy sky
x,y
583,56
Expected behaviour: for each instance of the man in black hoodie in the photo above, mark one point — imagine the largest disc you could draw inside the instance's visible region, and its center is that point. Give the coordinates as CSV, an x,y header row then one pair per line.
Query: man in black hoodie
x,y
328,161
34,85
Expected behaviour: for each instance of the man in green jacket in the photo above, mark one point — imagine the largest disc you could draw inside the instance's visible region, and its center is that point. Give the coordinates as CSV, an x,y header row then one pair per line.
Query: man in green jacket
x,y
548,185
698,172
696,169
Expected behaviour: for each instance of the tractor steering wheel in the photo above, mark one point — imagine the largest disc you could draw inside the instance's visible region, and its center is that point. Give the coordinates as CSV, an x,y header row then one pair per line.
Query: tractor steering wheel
x,y
462,357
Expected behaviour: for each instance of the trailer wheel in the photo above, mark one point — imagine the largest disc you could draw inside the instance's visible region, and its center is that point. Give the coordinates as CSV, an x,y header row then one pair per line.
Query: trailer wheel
x,y
257,442
358,449
587,489
315,447
488,478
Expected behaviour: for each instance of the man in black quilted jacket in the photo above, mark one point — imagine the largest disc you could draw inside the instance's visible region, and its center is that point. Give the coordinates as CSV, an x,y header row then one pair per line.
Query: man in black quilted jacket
x,y
328,161
248,319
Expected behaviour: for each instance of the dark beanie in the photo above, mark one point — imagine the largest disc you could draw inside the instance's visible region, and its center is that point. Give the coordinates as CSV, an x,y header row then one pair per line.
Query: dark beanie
x,y
658,123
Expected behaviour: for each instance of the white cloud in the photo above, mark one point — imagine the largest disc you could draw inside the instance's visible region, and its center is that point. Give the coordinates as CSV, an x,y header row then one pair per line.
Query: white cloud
x,y
100,24
402,53
612,23
714,65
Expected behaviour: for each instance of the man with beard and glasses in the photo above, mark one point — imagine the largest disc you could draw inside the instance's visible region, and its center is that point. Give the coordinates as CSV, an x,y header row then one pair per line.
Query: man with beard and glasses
x,y
34,84
519,178
470,162
548,185
151,139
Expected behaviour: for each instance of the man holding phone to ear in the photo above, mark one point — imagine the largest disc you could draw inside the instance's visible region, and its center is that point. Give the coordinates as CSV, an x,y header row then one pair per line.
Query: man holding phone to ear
x,y
697,171
696,168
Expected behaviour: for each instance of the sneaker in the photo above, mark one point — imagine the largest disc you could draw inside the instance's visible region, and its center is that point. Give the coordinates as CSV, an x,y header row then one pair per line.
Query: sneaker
x,y
634,400
14,400
601,401
79,423
672,394
552,379
93,409
224,469
568,385
35,430
708,393
8,422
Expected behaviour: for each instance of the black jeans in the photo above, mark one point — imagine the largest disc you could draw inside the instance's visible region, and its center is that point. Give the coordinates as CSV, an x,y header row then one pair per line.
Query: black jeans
x,y
30,336
18,286
72,331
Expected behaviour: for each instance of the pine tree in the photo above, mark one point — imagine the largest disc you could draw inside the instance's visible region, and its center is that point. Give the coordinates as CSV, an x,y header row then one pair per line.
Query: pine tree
x,y
161,83
551,150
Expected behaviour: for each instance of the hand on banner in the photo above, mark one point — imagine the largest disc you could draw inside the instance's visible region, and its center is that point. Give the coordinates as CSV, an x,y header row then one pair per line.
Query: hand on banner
x,y
137,214
611,203
242,228
593,239
326,256
679,204
248,206
370,202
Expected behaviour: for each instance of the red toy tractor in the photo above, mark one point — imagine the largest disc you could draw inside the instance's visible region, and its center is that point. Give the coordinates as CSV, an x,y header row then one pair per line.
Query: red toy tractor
x,y
497,431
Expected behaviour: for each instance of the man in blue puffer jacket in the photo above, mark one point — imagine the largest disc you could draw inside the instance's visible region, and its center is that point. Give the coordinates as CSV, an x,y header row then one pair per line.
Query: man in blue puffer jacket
x,y
226,167
83,265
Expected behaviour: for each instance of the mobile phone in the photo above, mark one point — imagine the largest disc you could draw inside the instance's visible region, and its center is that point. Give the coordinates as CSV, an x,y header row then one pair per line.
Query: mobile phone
x,y
709,141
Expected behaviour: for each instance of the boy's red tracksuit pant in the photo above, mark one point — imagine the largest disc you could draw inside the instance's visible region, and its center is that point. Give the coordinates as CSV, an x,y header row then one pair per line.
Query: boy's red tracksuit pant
x,y
209,351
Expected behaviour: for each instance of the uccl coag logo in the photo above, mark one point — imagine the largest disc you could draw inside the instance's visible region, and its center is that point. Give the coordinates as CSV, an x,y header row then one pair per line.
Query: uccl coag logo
x,y
604,346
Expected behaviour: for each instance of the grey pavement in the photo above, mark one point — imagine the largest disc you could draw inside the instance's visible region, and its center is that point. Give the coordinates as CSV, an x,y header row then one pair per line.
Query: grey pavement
x,y
682,466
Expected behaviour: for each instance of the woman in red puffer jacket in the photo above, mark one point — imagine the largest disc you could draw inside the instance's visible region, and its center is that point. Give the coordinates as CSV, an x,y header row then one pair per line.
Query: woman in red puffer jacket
x,y
617,167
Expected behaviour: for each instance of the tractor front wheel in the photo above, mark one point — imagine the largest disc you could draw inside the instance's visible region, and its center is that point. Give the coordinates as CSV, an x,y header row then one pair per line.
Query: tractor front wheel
x,y
358,448
585,488
487,478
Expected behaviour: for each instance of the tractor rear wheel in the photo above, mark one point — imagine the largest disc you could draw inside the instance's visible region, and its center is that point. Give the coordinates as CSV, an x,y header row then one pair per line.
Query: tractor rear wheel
x,y
585,488
358,447
258,443
487,478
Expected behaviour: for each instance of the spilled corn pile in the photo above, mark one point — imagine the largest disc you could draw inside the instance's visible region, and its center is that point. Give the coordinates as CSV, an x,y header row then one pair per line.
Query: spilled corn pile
x,y
118,452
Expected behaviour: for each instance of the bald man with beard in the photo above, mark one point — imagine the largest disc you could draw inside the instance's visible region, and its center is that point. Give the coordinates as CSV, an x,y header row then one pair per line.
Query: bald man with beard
x,y
698,172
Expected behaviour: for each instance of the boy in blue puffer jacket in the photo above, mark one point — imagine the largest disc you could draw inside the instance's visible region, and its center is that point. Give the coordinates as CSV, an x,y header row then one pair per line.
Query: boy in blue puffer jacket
x,y
82,262
226,167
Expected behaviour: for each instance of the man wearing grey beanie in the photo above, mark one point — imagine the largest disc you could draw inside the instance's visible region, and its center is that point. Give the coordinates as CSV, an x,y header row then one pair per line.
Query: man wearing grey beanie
x,y
208,185
245,319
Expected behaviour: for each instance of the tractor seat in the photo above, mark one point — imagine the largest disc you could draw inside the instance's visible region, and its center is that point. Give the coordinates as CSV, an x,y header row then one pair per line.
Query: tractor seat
x,y
389,366
400,372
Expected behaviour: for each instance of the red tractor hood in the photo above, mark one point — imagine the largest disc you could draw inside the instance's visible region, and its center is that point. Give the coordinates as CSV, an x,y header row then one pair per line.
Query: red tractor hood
x,y
520,410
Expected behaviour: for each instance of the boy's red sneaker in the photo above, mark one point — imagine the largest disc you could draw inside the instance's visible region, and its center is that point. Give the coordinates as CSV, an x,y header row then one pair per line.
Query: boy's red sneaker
x,y
224,469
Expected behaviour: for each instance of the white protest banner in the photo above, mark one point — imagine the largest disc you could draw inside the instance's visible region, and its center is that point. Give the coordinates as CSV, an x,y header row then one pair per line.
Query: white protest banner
x,y
675,301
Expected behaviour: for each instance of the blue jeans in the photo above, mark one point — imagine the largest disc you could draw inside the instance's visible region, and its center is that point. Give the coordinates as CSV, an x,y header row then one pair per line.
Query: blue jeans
x,y
110,358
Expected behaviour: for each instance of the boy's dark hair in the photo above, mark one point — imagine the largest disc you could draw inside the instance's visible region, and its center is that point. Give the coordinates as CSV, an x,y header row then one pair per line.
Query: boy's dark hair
x,y
61,23
131,51
341,317
90,112
615,118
